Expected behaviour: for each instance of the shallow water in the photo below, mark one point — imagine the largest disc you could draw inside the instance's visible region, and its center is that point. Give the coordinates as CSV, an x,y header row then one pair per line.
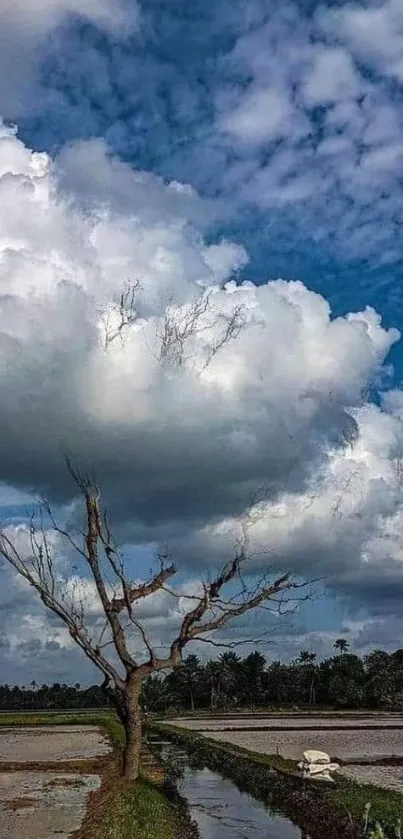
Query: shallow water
x,y
219,808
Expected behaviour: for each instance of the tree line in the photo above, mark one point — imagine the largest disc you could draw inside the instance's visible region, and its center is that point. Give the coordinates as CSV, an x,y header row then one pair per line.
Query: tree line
x,y
343,680
35,697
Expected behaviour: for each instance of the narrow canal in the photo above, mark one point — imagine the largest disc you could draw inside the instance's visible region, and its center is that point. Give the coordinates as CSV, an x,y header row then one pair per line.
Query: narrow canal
x,y
219,808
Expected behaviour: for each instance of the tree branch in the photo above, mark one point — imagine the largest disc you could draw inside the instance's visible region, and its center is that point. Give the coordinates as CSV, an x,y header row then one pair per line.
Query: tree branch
x,y
125,310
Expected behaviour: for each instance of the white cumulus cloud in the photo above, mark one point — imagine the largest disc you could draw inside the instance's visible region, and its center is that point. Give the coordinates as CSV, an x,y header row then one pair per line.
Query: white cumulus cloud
x,y
181,450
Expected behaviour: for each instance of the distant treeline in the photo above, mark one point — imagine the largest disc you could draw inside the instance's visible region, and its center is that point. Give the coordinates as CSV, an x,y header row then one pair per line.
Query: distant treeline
x,y
51,697
343,680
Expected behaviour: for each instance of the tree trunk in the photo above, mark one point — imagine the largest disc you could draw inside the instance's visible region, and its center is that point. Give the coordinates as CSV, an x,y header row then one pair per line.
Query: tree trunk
x,y
213,697
132,725
312,691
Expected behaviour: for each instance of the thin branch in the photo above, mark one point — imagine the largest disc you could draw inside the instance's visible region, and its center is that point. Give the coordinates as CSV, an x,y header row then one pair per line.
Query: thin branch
x,y
124,310
231,644
182,324
56,605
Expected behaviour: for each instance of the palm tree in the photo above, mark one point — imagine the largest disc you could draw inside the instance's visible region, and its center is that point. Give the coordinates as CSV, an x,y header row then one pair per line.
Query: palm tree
x,y
191,674
229,672
307,660
33,686
251,679
305,657
341,645
212,673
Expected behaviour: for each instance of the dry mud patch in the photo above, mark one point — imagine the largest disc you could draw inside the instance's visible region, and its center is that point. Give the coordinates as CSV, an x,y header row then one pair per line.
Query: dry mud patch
x,y
346,745
360,744
388,777
43,805
46,744
295,721
42,801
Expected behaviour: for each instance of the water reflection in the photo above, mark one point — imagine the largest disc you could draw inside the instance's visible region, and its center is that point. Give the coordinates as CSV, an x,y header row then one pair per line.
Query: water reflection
x,y
219,808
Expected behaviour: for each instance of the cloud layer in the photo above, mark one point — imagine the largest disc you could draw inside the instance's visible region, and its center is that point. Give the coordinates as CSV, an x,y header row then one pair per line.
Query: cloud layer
x,y
289,113
282,125
181,450
24,32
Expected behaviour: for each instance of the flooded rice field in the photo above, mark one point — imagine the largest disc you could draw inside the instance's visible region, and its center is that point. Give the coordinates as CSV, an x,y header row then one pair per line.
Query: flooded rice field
x,y
43,805
345,745
36,804
45,744
356,739
347,738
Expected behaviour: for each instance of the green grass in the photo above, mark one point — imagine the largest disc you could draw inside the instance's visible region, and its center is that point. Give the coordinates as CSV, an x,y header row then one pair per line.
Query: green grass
x,y
379,833
54,718
139,813
386,806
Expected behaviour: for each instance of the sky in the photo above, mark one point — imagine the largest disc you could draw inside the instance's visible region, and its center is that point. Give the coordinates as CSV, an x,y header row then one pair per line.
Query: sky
x,y
243,146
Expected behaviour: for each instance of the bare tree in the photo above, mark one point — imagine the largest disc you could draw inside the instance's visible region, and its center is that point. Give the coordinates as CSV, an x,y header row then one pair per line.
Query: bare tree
x,y
123,651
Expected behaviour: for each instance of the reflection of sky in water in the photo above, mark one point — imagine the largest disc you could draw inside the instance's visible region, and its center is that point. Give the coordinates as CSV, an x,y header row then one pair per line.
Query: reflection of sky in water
x,y
223,812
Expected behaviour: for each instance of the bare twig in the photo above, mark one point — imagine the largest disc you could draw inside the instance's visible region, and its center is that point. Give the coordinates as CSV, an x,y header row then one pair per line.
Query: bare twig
x,y
182,324
123,313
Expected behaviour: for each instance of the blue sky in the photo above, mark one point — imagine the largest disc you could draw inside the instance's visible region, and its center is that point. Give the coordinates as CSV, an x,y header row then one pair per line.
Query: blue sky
x,y
283,124
155,98
152,98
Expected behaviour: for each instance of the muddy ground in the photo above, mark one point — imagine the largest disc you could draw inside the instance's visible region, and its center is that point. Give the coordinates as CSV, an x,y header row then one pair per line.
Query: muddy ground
x,y
362,739
351,745
42,803
293,721
46,744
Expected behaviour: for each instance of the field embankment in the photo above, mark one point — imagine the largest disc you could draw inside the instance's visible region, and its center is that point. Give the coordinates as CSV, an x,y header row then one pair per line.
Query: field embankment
x,y
323,811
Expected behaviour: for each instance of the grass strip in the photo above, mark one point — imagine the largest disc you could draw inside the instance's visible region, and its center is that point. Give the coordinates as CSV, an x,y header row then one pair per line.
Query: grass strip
x,y
142,812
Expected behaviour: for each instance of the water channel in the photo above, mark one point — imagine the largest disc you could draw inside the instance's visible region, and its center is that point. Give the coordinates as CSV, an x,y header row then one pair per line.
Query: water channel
x,y
219,808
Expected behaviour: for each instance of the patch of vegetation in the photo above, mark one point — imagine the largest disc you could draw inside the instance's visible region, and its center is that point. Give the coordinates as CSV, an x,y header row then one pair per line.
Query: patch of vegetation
x,y
378,832
344,681
140,813
382,806
54,718
329,811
